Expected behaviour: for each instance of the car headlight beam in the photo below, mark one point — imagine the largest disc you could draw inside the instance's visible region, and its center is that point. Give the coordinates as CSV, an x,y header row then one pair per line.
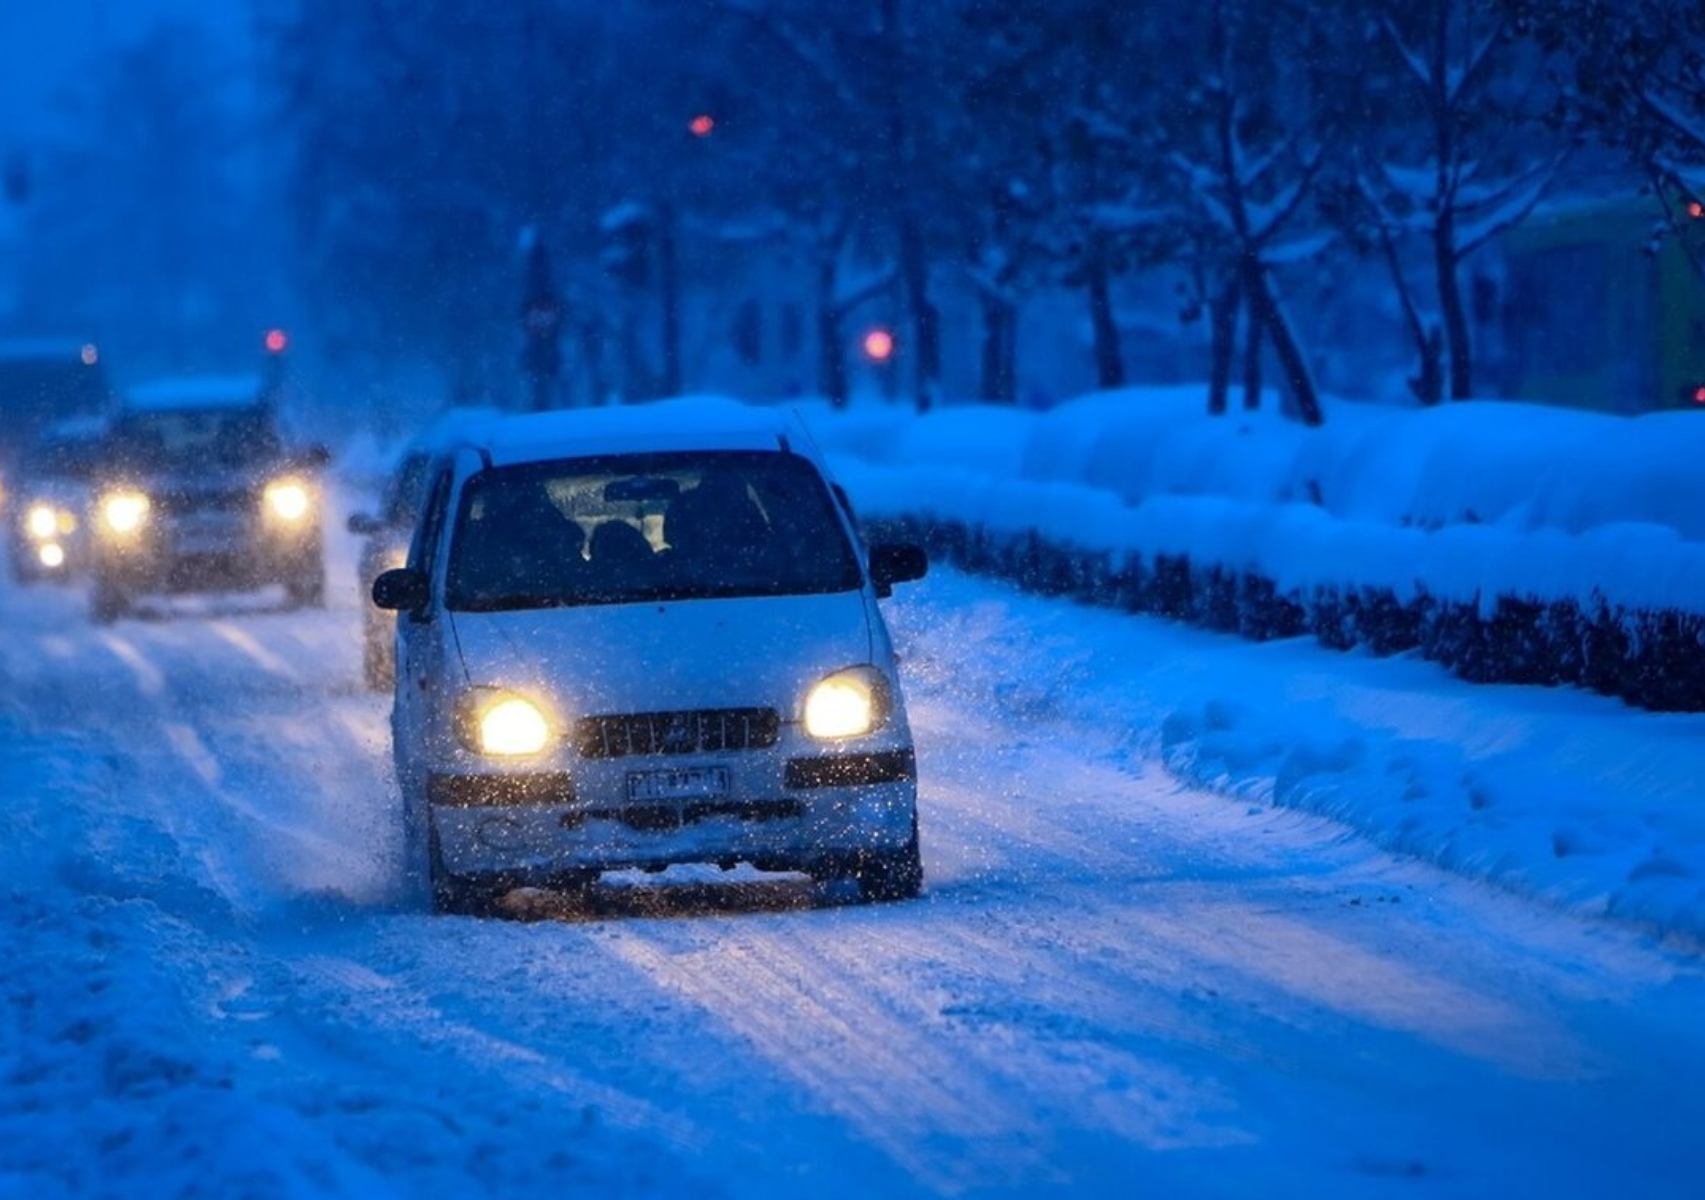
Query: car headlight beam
x,y
288,500
42,522
124,512
504,725
847,704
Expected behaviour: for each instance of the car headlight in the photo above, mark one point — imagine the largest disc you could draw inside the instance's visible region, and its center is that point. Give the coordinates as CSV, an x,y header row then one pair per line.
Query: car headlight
x,y
288,500
41,521
504,725
125,511
51,555
847,704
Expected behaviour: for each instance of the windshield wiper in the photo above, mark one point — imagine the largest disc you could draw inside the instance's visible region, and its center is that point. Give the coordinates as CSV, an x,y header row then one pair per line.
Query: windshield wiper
x,y
511,603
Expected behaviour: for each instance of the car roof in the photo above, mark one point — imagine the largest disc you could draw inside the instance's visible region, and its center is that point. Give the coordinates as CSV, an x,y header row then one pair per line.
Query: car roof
x,y
73,429
691,423
197,392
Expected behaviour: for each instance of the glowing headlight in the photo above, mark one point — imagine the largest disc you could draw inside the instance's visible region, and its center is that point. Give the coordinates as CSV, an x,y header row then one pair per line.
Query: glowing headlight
x,y
125,511
41,521
51,555
287,499
846,704
507,726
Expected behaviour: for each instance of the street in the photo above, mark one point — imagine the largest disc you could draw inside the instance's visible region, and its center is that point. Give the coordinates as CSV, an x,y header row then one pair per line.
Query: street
x,y
1114,982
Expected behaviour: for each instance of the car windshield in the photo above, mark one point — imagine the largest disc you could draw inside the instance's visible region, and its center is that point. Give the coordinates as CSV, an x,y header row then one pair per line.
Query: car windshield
x,y
63,458
646,527
169,441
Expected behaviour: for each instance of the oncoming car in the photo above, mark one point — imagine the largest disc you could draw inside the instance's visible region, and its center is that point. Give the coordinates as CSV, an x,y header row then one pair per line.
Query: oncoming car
x,y
198,491
643,637
48,531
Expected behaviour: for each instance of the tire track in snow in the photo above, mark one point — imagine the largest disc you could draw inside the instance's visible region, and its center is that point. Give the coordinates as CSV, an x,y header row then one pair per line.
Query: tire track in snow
x,y
903,1090
189,746
149,678
370,999
246,644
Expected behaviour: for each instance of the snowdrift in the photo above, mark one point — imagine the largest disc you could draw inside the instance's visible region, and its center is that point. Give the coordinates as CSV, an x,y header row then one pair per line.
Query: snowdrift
x,y
1511,542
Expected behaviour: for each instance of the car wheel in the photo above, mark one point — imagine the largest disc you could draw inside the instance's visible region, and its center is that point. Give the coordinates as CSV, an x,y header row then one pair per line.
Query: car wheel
x,y
107,602
457,895
888,875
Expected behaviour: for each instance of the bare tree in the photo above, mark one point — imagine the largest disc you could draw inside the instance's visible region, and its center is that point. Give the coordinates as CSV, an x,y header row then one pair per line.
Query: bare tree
x,y
1634,79
1473,88
1244,173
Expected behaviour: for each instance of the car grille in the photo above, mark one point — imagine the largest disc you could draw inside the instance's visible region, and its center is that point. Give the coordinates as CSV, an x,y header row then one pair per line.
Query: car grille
x,y
180,504
711,729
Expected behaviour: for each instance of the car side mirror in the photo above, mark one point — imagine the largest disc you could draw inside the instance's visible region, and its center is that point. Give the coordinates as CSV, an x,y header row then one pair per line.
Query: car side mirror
x,y
401,590
896,562
364,524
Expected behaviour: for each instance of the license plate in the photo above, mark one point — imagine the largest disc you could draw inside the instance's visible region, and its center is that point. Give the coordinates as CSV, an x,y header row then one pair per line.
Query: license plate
x,y
206,536
677,783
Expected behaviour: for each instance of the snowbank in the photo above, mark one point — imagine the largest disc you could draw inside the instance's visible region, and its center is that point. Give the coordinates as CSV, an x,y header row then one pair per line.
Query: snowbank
x,y
1474,532
1560,795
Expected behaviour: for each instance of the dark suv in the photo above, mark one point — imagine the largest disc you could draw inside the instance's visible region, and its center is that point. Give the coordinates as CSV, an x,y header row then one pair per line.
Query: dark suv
x,y
198,491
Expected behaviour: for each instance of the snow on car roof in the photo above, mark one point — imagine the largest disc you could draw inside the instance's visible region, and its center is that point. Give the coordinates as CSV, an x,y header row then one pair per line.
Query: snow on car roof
x,y
692,423
74,429
195,391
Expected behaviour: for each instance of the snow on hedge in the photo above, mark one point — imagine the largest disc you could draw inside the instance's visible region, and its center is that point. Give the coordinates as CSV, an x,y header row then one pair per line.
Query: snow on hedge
x,y
1465,502
1565,795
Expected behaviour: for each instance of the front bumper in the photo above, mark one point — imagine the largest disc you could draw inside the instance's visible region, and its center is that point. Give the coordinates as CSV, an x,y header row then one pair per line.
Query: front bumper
x,y
173,557
791,808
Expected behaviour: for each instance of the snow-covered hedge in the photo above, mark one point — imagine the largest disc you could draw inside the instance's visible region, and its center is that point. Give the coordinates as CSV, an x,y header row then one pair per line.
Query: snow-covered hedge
x,y
1511,542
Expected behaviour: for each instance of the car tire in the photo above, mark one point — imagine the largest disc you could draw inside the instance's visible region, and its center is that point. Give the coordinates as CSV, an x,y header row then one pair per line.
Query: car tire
x,y
457,895
889,875
107,602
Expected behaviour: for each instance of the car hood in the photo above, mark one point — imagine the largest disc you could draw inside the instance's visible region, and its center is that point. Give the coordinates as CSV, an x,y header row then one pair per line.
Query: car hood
x,y
758,651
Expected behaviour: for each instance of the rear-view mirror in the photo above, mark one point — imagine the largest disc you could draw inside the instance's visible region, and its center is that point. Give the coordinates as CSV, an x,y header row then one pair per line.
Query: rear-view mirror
x,y
640,489
896,562
401,590
364,524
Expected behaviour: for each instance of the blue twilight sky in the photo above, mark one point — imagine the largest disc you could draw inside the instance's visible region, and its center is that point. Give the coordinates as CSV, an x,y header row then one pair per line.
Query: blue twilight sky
x,y
45,43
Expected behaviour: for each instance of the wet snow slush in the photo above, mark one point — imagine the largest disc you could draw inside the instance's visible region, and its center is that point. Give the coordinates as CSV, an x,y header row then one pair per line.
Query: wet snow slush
x,y
216,982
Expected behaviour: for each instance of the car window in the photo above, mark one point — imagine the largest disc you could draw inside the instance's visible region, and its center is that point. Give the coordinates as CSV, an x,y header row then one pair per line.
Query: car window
x,y
423,550
64,459
647,527
170,441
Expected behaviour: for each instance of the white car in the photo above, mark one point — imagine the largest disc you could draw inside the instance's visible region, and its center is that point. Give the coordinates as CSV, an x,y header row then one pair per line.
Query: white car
x,y
642,637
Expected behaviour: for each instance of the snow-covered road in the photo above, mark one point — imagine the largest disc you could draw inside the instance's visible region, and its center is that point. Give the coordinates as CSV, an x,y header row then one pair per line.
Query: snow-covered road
x,y
215,980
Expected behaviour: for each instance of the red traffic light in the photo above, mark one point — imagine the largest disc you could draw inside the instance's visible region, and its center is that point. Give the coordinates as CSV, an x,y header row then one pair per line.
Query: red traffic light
x,y
1696,209
701,125
879,345
277,341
